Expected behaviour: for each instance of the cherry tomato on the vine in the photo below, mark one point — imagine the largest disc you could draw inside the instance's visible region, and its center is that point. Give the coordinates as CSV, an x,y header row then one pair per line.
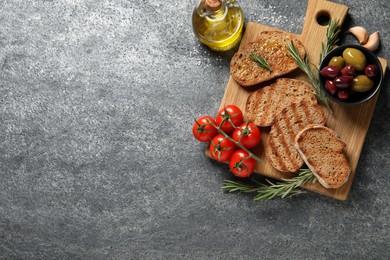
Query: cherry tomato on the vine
x,y
229,117
248,134
221,149
202,129
241,165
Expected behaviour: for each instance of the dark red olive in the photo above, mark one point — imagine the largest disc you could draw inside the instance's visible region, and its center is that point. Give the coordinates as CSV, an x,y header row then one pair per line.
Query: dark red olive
x,y
343,94
331,87
343,81
330,72
348,70
371,70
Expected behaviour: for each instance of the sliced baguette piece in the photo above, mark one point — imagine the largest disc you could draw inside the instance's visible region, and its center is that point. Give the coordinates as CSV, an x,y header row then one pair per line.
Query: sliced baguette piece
x,y
263,105
323,152
280,150
271,46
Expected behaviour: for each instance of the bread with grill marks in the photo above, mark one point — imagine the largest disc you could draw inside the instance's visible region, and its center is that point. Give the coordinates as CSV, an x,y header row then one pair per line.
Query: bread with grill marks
x,y
264,104
323,152
280,149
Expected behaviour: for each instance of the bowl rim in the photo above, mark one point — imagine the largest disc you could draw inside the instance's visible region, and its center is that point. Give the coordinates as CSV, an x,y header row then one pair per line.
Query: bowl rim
x,y
341,48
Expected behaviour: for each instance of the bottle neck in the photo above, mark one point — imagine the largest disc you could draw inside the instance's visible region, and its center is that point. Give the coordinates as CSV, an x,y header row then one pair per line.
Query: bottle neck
x,y
213,5
214,10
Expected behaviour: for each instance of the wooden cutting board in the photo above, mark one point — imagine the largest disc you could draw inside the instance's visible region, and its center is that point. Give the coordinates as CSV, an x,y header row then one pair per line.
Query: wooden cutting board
x,y
351,123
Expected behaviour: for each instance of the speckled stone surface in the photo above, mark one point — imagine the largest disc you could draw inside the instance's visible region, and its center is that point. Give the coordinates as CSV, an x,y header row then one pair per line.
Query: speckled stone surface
x,y
97,158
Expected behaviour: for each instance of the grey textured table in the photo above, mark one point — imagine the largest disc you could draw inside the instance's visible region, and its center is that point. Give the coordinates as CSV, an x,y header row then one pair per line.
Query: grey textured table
x,y
97,158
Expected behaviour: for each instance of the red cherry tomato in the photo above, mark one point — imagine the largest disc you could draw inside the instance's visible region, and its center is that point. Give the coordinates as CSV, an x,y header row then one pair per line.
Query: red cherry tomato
x,y
241,165
229,117
248,134
221,149
202,130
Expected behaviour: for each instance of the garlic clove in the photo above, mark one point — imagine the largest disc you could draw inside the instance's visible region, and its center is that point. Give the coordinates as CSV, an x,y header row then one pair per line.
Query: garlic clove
x,y
360,33
373,42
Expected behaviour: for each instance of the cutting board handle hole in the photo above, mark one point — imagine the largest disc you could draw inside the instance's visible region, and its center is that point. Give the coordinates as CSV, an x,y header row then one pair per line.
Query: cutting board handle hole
x,y
323,18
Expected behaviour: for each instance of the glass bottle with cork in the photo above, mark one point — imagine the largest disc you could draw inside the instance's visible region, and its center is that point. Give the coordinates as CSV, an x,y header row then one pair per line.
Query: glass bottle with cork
x,y
218,23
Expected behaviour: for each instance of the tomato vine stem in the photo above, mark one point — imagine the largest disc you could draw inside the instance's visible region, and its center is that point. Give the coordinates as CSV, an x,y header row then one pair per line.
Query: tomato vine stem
x,y
251,155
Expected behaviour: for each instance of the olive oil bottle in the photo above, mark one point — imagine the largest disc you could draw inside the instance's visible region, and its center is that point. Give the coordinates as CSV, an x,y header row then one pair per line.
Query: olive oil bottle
x,y
218,23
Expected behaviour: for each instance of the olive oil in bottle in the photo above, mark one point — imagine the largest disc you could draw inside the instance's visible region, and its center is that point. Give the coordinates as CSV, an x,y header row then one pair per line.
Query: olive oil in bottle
x,y
218,23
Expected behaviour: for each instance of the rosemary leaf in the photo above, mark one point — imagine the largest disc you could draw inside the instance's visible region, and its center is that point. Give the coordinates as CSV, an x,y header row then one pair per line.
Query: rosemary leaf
x,y
283,189
287,188
232,186
332,34
260,61
304,65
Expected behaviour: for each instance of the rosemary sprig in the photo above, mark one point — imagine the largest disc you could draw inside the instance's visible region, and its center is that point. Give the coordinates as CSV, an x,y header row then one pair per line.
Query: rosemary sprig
x,y
304,65
260,61
332,34
232,186
284,188
287,188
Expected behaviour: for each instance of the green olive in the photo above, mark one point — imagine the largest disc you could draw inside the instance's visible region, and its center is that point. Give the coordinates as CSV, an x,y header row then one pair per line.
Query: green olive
x,y
355,57
337,61
362,83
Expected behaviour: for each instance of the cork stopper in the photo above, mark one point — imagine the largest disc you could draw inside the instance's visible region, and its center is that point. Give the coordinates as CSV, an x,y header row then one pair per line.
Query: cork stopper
x,y
213,5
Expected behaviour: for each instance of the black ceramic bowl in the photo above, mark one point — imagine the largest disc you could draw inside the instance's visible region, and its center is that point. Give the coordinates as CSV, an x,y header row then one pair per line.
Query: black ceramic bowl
x,y
354,98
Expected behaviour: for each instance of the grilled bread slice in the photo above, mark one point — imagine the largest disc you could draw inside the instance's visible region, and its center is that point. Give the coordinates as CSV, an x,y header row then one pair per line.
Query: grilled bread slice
x,y
271,46
264,104
280,150
323,152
